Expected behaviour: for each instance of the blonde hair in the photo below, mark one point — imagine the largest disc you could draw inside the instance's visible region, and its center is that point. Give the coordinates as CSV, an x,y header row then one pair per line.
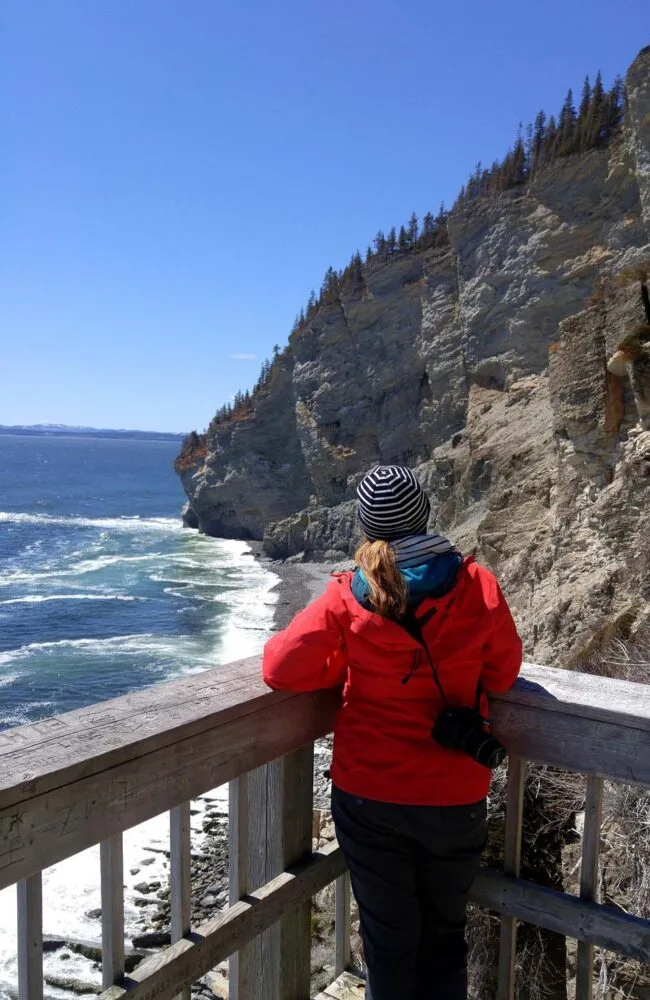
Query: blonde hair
x,y
388,590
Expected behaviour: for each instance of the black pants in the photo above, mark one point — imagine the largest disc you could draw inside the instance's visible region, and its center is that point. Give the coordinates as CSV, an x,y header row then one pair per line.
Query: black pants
x,y
411,869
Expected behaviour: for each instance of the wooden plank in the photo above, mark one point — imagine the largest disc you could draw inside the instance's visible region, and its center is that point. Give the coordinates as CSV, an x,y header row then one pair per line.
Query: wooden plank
x,y
342,925
545,734
180,877
49,827
575,918
30,938
589,882
112,889
511,866
66,748
583,695
292,787
164,974
242,963
77,744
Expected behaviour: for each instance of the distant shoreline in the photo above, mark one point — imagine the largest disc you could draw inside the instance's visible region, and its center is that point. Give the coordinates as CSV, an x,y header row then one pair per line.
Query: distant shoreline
x,y
89,432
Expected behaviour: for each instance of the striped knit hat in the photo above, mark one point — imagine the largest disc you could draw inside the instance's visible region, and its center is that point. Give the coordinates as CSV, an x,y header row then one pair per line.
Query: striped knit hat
x,y
392,504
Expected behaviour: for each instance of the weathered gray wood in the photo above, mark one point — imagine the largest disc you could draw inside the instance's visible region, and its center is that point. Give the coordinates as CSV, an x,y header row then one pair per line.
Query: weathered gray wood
x,y
180,877
589,882
54,801
30,938
575,918
45,829
65,748
342,924
112,888
242,963
585,737
511,866
164,974
292,788
582,695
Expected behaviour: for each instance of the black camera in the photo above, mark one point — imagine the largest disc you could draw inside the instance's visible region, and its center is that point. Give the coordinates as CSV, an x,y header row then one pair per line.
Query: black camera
x,y
466,729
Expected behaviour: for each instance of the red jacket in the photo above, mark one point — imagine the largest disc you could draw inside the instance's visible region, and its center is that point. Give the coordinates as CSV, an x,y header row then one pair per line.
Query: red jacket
x,y
383,748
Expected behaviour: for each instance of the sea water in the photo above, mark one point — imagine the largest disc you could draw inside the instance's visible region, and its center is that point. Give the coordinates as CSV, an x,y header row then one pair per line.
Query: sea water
x,y
103,592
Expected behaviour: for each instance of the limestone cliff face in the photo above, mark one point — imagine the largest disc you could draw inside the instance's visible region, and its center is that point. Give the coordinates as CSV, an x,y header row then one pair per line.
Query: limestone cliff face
x,y
483,366
251,470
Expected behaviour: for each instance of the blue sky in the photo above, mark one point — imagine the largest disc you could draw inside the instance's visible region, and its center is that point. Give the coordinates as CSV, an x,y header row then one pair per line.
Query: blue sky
x,y
177,175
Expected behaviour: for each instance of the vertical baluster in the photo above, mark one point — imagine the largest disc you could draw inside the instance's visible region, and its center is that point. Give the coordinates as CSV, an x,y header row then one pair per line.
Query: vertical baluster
x,y
180,877
30,938
241,963
511,866
112,878
342,925
589,881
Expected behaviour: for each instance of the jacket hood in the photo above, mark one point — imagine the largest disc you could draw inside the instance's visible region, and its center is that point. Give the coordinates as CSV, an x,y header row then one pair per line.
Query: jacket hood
x,y
384,630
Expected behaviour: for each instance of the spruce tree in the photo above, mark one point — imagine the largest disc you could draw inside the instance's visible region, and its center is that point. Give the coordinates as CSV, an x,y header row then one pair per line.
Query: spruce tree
x,y
391,241
539,134
428,230
583,114
597,116
357,270
412,231
403,240
566,137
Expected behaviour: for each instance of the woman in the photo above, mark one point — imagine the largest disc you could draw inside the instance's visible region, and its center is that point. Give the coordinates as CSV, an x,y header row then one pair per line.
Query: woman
x,y
415,631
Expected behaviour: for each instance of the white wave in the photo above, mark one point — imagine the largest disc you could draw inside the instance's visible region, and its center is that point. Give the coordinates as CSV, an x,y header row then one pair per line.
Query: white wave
x,y
39,598
131,524
107,645
71,890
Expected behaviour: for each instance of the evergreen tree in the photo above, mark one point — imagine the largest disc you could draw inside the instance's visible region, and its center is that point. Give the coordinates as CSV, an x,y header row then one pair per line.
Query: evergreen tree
x,y
539,134
550,140
311,303
615,107
403,240
391,241
597,116
380,243
428,230
412,231
357,270
368,255
583,113
566,137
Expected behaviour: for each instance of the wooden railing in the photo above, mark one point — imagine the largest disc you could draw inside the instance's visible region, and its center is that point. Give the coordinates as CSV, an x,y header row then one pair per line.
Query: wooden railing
x,y
84,778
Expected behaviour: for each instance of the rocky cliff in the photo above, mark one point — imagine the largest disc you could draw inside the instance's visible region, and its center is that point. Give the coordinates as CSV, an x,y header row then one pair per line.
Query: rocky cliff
x,y
483,364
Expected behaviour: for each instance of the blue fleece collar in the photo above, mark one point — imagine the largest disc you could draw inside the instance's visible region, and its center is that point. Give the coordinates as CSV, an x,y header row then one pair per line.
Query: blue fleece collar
x,y
433,578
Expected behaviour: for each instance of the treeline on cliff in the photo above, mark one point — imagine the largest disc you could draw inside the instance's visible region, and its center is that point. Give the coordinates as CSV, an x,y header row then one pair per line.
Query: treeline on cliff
x,y
593,124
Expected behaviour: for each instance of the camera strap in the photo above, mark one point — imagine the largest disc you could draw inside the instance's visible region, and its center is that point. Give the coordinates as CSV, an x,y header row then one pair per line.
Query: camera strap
x,y
414,626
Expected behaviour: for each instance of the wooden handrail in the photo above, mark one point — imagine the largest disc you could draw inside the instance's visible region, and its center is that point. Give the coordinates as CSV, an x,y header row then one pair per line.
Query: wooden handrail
x,y
84,778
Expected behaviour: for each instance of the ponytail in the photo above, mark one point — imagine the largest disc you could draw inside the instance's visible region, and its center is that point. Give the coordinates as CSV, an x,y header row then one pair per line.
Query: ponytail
x,y
388,590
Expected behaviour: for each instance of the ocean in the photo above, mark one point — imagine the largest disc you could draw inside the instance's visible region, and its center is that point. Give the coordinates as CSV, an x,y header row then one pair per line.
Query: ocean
x,y
102,592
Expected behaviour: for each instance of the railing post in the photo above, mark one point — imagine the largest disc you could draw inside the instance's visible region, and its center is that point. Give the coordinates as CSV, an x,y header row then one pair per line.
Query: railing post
x,y
276,966
242,963
342,924
30,938
511,866
180,877
112,884
589,881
